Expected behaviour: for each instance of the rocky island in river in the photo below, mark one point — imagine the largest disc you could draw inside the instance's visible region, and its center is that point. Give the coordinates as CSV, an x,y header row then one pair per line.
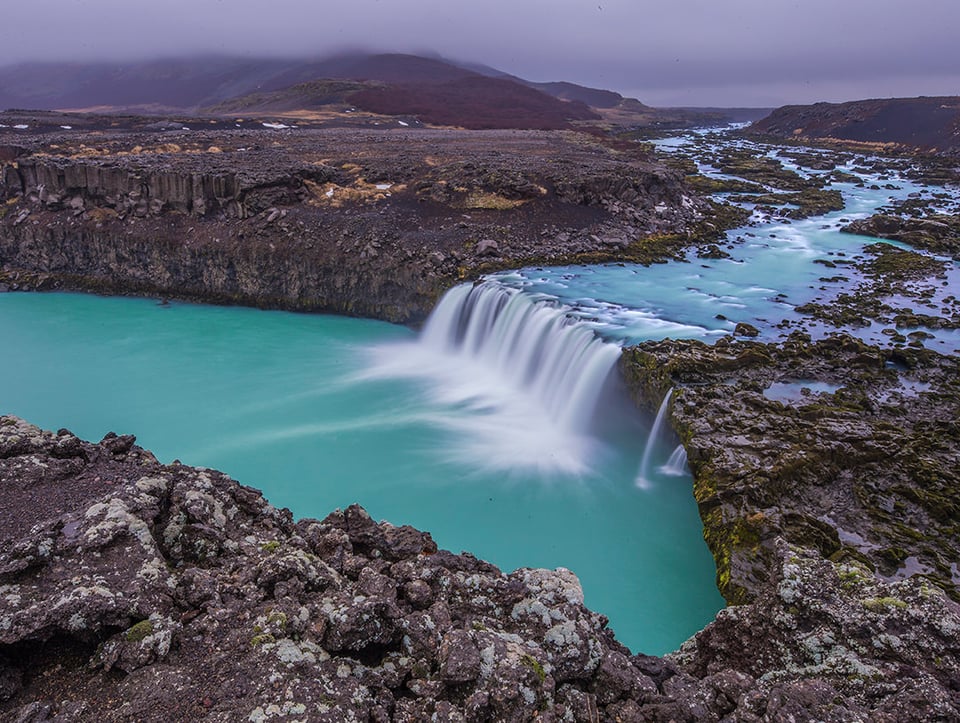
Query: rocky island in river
x,y
133,590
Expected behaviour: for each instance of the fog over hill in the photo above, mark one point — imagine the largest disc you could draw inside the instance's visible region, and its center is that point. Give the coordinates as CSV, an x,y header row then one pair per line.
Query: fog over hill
x,y
419,89
678,54
191,83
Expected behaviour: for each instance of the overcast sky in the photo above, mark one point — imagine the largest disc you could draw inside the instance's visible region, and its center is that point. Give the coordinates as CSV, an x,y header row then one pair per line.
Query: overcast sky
x,y
664,52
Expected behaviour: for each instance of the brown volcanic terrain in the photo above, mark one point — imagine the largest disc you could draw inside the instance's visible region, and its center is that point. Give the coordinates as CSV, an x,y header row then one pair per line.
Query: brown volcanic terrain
x,y
913,124
369,221
475,103
441,91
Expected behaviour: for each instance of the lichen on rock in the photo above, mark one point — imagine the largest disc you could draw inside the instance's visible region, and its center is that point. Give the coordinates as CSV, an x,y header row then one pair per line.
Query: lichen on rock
x,y
104,618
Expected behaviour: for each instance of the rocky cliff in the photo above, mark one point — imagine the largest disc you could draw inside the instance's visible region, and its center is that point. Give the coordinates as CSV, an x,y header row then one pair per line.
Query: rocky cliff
x,y
865,472
908,124
131,590
372,223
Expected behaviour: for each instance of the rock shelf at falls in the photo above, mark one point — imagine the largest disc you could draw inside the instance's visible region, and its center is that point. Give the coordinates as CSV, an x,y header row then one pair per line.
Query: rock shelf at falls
x,y
830,512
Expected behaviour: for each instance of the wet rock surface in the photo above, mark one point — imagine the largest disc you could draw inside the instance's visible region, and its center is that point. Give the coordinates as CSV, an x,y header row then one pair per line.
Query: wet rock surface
x,y
367,222
937,232
130,590
866,472
854,474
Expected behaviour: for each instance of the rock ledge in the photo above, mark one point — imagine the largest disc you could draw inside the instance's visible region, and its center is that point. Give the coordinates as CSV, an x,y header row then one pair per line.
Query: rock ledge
x,y
131,590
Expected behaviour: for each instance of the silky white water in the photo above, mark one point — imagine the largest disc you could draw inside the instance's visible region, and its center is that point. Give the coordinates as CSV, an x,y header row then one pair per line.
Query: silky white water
x,y
531,378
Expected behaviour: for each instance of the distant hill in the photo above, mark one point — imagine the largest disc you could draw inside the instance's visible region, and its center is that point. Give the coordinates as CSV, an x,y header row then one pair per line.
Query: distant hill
x,y
926,124
176,83
309,96
189,83
434,90
592,97
430,90
474,102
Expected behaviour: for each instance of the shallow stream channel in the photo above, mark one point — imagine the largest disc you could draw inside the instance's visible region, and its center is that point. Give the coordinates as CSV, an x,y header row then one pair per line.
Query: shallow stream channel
x,y
501,427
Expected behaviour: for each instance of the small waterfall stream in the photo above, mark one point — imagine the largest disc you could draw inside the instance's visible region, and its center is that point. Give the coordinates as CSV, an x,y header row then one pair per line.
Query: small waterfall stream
x,y
643,478
676,465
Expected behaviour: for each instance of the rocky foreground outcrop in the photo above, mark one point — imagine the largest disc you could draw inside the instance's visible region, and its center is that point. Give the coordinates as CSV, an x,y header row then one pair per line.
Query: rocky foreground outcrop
x,y
131,590
374,223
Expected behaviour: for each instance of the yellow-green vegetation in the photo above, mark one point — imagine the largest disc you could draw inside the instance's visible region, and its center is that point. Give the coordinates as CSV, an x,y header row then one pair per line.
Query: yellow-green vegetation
x,y
883,604
357,192
651,250
491,201
768,171
705,184
278,618
6,207
270,547
852,575
892,263
99,215
139,631
534,665
261,639
724,538
809,201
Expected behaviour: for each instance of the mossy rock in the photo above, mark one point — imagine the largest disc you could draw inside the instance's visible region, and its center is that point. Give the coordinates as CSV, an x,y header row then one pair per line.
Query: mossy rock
x,y
139,631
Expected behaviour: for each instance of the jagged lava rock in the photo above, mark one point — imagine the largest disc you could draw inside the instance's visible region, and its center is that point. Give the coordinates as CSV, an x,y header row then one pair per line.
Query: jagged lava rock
x,y
131,590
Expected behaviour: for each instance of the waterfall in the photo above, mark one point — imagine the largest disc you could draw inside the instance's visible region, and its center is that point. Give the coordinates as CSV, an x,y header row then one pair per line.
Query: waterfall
x,y
676,465
519,383
644,476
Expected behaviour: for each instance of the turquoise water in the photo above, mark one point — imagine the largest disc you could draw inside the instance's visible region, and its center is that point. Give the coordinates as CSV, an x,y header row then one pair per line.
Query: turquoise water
x,y
300,407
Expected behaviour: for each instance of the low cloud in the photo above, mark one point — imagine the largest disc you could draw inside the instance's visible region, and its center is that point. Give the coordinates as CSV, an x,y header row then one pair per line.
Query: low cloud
x,y
690,52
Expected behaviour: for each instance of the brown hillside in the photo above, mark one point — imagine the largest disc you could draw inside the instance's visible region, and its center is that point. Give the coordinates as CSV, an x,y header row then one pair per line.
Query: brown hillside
x,y
927,124
312,95
474,102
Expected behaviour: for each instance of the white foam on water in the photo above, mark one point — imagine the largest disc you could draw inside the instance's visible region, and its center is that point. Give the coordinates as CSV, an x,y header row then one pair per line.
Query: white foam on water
x,y
516,383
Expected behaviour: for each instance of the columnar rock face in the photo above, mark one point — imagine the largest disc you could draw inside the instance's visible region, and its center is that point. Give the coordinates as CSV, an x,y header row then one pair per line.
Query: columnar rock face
x,y
135,591
347,221
152,188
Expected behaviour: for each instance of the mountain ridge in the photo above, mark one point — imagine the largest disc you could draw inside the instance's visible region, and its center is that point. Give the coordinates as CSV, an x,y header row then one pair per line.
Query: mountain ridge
x,y
926,124
191,83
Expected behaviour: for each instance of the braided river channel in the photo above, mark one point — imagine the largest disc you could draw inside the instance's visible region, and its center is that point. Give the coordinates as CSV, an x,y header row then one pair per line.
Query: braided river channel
x,y
502,427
